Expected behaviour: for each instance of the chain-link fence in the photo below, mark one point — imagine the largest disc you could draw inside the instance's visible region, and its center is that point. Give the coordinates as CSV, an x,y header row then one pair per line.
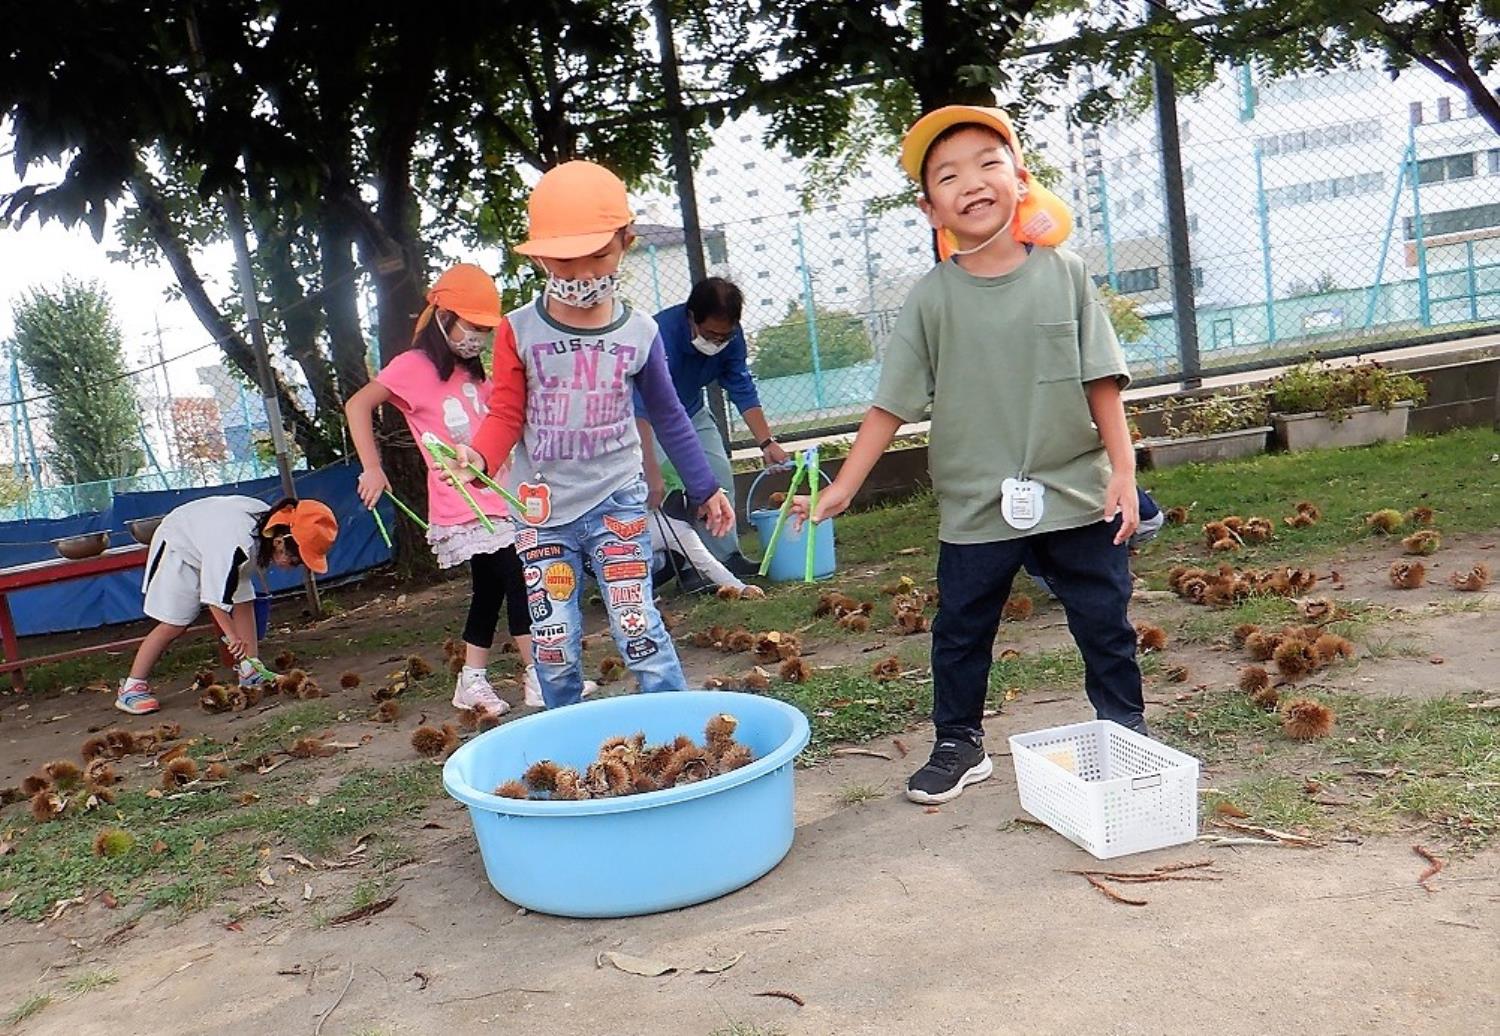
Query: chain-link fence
x,y
1326,213
197,425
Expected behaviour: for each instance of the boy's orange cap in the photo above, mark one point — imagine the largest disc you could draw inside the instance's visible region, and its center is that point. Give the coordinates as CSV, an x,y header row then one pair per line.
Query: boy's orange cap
x,y
1041,217
574,210
467,290
313,528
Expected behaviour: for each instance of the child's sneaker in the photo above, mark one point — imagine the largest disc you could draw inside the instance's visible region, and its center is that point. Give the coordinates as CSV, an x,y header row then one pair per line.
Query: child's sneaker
x,y
473,691
533,686
956,763
136,699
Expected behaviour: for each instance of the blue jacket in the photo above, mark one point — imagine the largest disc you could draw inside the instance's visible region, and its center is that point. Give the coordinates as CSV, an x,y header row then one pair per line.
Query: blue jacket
x,y
692,372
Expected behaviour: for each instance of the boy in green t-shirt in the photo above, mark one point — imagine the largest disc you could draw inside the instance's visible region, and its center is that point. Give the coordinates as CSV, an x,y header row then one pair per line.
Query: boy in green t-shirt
x,y
1029,451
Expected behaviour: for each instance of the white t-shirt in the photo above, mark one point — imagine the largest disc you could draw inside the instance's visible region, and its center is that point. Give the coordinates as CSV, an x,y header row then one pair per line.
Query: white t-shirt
x,y
213,537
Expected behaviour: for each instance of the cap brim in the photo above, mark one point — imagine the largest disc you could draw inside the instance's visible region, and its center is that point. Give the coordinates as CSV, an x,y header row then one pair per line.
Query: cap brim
x,y
478,317
926,129
575,247
318,565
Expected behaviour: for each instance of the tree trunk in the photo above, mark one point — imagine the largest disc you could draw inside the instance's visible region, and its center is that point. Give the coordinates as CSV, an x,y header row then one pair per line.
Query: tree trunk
x,y
234,347
341,303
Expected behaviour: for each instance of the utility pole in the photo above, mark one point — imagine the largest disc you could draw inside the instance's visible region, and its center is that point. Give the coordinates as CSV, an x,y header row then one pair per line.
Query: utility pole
x,y
682,173
1179,251
235,212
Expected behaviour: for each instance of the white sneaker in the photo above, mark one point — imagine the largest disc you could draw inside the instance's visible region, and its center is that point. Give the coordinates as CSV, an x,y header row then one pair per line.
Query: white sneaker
x,y
473,691
533,685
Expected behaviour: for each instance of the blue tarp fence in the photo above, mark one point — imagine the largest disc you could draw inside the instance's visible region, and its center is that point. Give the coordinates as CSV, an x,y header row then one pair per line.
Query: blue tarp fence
x,y
81,604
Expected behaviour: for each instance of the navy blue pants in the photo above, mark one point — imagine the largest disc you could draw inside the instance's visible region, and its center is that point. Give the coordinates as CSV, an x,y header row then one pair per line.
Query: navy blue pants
x,y
1089,575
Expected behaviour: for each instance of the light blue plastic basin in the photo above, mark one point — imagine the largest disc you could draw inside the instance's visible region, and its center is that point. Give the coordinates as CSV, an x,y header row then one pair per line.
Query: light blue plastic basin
x,y
638,854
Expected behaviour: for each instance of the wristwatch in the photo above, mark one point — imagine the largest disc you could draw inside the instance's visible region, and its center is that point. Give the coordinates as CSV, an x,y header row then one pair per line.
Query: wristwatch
x,y
768,440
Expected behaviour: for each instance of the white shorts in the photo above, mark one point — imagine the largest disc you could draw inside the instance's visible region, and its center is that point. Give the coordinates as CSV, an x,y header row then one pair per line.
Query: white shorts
x,y
174,587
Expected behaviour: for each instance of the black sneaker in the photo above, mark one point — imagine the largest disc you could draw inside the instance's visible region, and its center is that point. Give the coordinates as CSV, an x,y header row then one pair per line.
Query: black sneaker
x,y
691,581
741,565
956,763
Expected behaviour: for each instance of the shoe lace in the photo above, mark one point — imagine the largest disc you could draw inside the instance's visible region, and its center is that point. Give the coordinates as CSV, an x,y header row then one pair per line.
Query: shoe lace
x,y
945,757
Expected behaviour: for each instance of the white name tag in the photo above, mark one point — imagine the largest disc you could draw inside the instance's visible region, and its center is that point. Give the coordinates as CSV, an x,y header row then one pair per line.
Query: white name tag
x,y
1021,503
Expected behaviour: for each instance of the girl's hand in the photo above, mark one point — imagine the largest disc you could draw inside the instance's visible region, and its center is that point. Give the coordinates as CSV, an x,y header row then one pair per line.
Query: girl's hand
x,y
1120,498
372,483
236,647
717,514
456,469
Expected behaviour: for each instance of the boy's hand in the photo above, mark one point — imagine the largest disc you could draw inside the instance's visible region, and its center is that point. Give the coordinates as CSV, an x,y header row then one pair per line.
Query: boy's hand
x,y
717,514
372,482
456,468
1120,498
832,501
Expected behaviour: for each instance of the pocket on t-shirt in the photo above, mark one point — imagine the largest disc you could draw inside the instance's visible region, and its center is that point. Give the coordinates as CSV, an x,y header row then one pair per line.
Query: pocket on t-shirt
x,y
1057,357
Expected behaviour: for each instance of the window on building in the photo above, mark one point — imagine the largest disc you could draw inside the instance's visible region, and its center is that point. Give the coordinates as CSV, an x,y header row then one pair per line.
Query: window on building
x,y
710,172
1198,277
1192,223
1455,221
834,235
753,192
1444,109
1415,113
745,138
760,246
1445,167
1187,177
841,290
765,302
865,174
913,250
909,222
718,248
1147,278
715,199
837,262
748,165
1185,129
1138,199
1494,156
764,275
756,220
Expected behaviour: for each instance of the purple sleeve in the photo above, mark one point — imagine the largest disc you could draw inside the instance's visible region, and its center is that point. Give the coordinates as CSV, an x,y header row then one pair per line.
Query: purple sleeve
x,y
673,429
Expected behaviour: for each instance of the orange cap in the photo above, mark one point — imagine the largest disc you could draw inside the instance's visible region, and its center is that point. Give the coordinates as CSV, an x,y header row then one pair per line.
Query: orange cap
x,y
467,290
574,210
313,528
1041,217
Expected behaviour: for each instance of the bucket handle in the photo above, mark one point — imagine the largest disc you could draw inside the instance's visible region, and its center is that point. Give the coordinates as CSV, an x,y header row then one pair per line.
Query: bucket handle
x,y
750,494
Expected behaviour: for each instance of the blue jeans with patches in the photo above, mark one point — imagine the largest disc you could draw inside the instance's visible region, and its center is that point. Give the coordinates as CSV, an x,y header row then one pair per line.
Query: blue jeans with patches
x,y
614,538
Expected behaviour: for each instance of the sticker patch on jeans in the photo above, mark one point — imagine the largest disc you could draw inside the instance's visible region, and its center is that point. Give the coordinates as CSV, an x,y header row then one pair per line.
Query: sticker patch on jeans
x,y
551,633
525,539
560,580
542,552
620,552
632,622
640,649
533,577
626,593
550,655
625,571
627,529
537,500
539,606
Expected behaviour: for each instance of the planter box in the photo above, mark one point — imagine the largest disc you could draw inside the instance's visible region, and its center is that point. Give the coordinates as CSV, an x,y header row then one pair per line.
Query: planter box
x,y
1363,425
1167,452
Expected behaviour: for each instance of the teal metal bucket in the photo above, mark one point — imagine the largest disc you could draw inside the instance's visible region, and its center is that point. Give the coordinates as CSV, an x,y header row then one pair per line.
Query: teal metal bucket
x,y
789,563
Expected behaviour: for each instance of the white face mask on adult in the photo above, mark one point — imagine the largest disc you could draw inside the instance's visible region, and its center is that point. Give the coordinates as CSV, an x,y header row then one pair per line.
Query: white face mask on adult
x,y
467,347
707,347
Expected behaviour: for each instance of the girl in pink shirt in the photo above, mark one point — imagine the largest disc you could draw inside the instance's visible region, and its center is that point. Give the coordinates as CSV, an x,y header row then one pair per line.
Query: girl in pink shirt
x,y
439,385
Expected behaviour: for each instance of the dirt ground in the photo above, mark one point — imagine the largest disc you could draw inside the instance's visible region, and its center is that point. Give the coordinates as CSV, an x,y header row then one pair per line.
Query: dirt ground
x,y
884,918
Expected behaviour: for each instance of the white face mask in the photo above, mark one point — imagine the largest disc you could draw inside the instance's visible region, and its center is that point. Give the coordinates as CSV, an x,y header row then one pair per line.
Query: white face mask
x,y
469,346
708,348
582,292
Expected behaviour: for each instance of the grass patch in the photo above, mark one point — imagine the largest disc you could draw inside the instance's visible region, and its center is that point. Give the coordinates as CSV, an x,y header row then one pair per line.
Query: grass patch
x,y
1442,761
189,850
1451,473
28,1007
285,724
854,794
90,981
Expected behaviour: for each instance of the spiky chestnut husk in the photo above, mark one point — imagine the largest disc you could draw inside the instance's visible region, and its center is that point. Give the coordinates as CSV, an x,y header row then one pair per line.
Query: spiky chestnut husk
x,y
1475,579
541,775
178,772
63,773
387,711
1294,658
1215,531
428,741
1243,632
349,679
1423,543
1017,608
1265,698
1259,530
417,666
513,790
1261,646
794,670
45,806
887,668
112,842
93,748
1386,520
859,622
1149,637
1254,678
1330,646
756,681
1308,508
121,742
1420,515
216,772
35,783
1306,720
1408,575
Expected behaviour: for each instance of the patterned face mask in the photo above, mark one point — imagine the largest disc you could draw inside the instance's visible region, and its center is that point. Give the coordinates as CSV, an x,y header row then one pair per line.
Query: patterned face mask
x,y
469,346
583,292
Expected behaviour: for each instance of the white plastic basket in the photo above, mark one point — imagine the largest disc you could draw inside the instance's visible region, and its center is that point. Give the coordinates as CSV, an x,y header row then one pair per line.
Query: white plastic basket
x,y
1109,789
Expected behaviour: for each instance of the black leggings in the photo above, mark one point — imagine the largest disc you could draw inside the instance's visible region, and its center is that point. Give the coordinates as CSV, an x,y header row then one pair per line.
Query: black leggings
x,y
497,579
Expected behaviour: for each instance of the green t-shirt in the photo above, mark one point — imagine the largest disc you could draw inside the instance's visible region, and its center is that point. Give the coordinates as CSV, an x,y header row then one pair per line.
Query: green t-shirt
x,y
1003,362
